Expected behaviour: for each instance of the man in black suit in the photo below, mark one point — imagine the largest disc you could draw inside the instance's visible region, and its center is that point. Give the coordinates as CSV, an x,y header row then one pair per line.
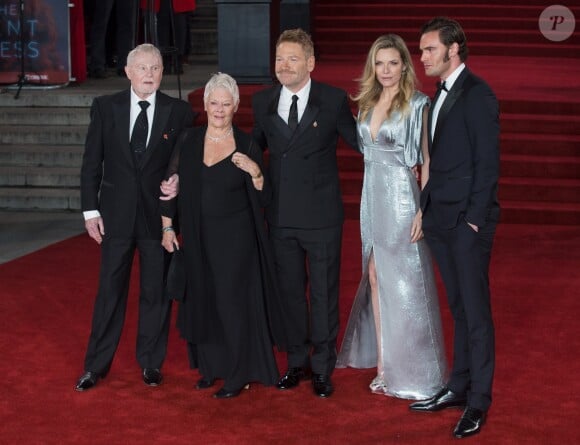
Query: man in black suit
x,y
299,122
128,146
460,213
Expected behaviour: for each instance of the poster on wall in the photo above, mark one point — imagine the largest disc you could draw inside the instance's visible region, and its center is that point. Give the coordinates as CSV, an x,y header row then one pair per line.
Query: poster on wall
x,y
34,42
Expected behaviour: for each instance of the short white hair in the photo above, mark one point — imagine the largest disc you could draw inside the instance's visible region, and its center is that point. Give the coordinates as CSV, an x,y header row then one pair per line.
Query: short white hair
x,y
144,48
225,81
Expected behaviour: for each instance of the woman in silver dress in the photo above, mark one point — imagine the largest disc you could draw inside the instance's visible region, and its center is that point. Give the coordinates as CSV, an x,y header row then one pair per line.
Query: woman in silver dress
x,y
395,323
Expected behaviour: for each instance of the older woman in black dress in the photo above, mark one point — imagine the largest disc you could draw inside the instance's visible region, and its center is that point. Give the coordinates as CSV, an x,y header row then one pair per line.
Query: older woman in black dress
x,y
230,302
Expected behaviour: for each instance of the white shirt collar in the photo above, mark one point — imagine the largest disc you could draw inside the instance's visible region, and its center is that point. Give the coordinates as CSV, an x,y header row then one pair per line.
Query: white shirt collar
x,y
136,99
303,94
453,76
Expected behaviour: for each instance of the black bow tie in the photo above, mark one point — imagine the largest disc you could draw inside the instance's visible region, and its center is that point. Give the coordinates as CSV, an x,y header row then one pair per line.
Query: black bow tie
x,y
441,86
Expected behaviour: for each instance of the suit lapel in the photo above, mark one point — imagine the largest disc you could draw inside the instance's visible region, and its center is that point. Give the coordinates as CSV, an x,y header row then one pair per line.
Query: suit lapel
x,y
275,120
311,110
430,120
452,96
121,114
310,113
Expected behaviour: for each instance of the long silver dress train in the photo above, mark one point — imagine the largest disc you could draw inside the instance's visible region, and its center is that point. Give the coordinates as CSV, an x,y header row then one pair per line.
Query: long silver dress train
x,y
410,359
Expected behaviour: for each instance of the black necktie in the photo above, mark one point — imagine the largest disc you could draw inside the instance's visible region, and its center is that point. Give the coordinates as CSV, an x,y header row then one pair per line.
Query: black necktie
x,y
293,115
140,131
441,86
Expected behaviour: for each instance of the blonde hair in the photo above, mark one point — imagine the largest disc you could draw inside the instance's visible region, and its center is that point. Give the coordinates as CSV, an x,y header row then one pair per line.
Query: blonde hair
x,y
225,81
369,87
144,48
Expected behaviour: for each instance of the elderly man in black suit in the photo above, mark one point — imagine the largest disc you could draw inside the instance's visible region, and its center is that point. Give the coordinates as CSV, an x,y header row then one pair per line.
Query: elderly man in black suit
x,y
460,213
299,122
128,146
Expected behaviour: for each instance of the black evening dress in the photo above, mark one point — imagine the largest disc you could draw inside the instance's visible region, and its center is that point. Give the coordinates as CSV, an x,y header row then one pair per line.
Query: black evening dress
x,y
231,313
241,351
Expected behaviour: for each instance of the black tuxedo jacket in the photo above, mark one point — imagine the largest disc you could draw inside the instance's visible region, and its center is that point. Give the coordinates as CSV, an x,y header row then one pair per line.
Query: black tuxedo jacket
x,y
111,182
302,164
464,165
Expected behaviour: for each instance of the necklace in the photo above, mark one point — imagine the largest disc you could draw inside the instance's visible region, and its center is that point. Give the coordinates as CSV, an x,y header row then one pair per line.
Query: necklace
x,y
219,138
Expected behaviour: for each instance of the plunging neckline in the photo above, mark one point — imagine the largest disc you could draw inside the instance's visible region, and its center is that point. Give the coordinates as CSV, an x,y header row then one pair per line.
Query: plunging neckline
x,y
220,161
374,139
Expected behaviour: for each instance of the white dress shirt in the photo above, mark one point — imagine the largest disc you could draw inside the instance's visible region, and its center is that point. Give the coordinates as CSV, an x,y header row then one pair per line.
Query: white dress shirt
x,y
286,100
136,109
443,95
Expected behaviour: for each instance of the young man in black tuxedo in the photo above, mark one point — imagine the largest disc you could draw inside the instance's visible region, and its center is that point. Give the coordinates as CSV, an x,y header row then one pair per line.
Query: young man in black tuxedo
x,y
128,146
299,122
460,213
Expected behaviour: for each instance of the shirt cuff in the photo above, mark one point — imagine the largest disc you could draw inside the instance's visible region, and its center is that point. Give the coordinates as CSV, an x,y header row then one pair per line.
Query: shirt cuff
x,y
91,214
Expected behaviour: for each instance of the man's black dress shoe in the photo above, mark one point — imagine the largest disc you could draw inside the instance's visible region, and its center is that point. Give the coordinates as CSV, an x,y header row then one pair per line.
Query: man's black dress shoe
x,y
471,422
443,399
292,378
229,393
204,383
152,376
322,385
87,381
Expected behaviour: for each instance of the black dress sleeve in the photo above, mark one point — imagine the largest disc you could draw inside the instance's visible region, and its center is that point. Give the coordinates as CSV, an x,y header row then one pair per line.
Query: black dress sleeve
x,y
169,208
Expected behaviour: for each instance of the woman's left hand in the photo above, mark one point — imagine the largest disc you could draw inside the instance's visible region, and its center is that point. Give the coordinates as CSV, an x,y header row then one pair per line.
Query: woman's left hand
x,y
243,162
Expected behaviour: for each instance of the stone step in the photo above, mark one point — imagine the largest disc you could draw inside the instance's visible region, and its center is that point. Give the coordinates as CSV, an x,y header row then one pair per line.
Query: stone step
x,y
204,40
39,177
44,116
33,198
205,8
50,135
41,155
63,97
203,28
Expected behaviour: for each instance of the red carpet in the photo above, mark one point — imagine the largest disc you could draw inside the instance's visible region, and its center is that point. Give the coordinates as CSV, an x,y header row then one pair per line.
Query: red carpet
x,y
45,310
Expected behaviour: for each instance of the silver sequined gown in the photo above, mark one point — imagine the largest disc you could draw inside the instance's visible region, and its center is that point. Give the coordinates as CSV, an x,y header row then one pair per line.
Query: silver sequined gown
x,y
411,361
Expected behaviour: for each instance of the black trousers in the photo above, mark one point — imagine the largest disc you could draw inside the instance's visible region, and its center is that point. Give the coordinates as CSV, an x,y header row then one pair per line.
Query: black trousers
x,y
111,303
125,11
302,257
463,257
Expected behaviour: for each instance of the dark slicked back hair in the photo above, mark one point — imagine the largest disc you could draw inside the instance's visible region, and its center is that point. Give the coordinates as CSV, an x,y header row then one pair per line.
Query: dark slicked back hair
x,y
298,36
450,32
